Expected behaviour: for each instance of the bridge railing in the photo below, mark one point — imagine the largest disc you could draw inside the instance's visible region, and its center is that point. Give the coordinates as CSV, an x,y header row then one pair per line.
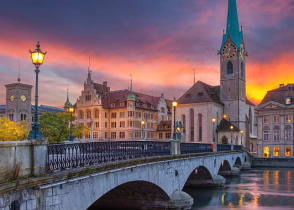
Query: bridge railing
x,y
223,147
237,147
66,156
190,148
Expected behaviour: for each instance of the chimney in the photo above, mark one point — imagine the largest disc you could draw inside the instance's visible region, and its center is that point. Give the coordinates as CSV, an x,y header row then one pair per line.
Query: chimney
x,y
281,85
105,83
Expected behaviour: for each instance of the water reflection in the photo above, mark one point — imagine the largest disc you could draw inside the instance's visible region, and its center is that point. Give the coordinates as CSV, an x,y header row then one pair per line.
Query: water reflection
x,y
254,189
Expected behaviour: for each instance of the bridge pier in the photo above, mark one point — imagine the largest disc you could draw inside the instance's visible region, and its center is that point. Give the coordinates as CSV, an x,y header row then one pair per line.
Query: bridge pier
x,y
230,173
180,200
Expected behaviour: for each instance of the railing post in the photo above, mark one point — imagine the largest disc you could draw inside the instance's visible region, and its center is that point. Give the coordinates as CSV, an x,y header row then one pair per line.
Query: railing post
x,y
175,147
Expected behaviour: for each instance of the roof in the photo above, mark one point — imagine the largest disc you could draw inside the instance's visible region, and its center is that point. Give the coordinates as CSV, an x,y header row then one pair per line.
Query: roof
x,y
44,108
249,102
201,92
101,88
280,94
225,125
164,125
232,30
118,98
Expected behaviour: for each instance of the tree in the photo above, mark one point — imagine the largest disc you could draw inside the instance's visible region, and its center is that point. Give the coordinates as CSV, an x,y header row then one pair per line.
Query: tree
x,y
55,127
11,131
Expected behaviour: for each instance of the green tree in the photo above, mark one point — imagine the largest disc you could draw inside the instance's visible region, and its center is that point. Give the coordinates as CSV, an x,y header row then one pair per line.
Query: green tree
x,y
55,127
11,131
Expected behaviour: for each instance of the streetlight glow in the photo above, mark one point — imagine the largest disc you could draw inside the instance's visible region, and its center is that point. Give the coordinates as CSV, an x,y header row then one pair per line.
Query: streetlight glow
x,y
175,103
231,127
213,120
37,55
142,122
241,131
225,116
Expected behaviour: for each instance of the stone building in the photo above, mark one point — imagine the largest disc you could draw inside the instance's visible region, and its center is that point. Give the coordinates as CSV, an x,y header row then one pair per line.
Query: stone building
x,y
275,123
203,102
120,114
18,103
164,130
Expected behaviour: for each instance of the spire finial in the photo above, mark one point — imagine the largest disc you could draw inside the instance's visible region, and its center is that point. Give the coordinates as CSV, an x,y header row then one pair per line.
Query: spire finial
x,y
18,76
194,75
131,88
89,70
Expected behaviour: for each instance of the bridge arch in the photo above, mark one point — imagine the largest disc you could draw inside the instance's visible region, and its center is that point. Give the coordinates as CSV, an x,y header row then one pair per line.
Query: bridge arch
x,y
238,162
199,176
132,195
224,167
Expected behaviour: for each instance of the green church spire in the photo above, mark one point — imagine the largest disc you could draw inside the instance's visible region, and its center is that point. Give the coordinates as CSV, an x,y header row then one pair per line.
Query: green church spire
x,y
233,29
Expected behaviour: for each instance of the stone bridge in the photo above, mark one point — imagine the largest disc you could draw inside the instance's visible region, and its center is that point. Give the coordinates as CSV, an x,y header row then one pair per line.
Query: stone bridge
x,y
155,183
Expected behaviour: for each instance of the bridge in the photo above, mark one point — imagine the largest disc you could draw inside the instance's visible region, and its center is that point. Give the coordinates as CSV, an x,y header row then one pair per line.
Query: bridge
x,y
123,175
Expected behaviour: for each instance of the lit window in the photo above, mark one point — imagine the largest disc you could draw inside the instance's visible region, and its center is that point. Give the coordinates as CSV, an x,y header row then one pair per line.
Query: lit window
x,y
276,151
266,152
288,101
288,151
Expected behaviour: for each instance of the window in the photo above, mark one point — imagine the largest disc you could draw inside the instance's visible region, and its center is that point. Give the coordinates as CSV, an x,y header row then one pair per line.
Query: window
x,y
229,68
162,118
105,115
106,135
122,114
96,113
130,113
266,152
95,135
276,119
122,135
81,115
88,97
199,127
11,117
105,125
97,124
288,151
265,119
167,135
266,133
288,100
287,132
113,124
224,140
162,110
23,117
288,118
122,124
160,136
113,135
113,115
242,70
276,133
191,124
276,151
88,114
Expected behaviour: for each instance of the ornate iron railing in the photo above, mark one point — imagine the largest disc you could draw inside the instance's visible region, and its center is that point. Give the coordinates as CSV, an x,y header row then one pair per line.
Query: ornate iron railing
x,y
237,147
66,156
190,148
223,147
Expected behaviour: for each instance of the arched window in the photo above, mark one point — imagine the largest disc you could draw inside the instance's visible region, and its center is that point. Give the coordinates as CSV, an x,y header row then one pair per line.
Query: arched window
x,y
266,152
96,113
81,114
224,140
88,114
288,151
191,124
242,70
184,123
200,127
276,151
229,68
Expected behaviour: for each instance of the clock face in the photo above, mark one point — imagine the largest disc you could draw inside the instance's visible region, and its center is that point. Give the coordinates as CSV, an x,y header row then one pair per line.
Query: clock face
x,y
229,50
23,98
11,98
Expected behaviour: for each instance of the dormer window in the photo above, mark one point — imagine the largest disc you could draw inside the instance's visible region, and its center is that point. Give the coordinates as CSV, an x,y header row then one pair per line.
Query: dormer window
x,y
288,100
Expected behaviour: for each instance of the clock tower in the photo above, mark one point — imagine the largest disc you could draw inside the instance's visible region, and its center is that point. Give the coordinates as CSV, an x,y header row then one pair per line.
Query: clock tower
x,y
232,69
18,102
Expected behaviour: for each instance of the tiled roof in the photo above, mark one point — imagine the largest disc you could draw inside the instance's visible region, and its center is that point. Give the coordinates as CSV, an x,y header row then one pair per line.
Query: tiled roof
x,y
225,125
201,92
279,95
164,125
114,99
101,88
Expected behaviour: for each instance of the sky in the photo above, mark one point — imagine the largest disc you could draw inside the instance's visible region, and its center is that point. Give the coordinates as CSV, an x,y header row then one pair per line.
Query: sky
x,y
159,42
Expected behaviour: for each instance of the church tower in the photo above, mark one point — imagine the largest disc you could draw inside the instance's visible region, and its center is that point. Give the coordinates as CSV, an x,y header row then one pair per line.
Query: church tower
x,y
232,68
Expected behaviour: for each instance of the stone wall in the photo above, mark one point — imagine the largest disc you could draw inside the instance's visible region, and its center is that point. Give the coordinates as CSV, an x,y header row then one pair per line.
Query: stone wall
x,y
273,162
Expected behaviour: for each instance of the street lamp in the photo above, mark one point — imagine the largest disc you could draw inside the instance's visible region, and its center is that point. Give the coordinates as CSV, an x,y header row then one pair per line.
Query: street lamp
x,y
213,132
232,128
241,132
175,104
142,126
37,59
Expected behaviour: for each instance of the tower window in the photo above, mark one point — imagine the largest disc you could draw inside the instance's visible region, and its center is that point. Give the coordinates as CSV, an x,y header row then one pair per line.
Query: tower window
x,y
242,70
229,68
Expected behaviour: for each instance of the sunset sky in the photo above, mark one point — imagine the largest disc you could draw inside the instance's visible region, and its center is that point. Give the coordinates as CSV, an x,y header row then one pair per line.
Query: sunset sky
x,y
159,42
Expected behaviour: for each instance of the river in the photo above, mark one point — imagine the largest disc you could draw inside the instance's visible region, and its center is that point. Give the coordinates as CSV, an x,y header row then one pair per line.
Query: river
x,y
265,189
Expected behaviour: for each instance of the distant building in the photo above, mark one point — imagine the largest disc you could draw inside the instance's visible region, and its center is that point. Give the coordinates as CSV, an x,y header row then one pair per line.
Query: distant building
x,y
120,114
18,103
275,116
203,102
164,130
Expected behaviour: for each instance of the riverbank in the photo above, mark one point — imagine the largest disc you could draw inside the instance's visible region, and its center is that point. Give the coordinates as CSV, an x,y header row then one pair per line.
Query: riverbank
x,y
273,163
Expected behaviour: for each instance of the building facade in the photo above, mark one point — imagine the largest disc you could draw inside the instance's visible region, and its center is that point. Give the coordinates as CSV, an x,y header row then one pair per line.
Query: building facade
x,y
275,123
121,114
203,102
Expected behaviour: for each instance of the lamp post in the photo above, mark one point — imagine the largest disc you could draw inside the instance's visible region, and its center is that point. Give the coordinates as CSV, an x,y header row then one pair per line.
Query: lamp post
x,y
213,135
142,126
175,104
37,59
241,132
232,128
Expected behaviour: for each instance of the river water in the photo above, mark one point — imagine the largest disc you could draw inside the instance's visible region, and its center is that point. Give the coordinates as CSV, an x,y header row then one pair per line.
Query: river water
x,y
265,189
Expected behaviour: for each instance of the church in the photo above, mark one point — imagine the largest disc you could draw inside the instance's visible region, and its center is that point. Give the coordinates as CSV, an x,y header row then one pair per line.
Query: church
x,y
223,112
